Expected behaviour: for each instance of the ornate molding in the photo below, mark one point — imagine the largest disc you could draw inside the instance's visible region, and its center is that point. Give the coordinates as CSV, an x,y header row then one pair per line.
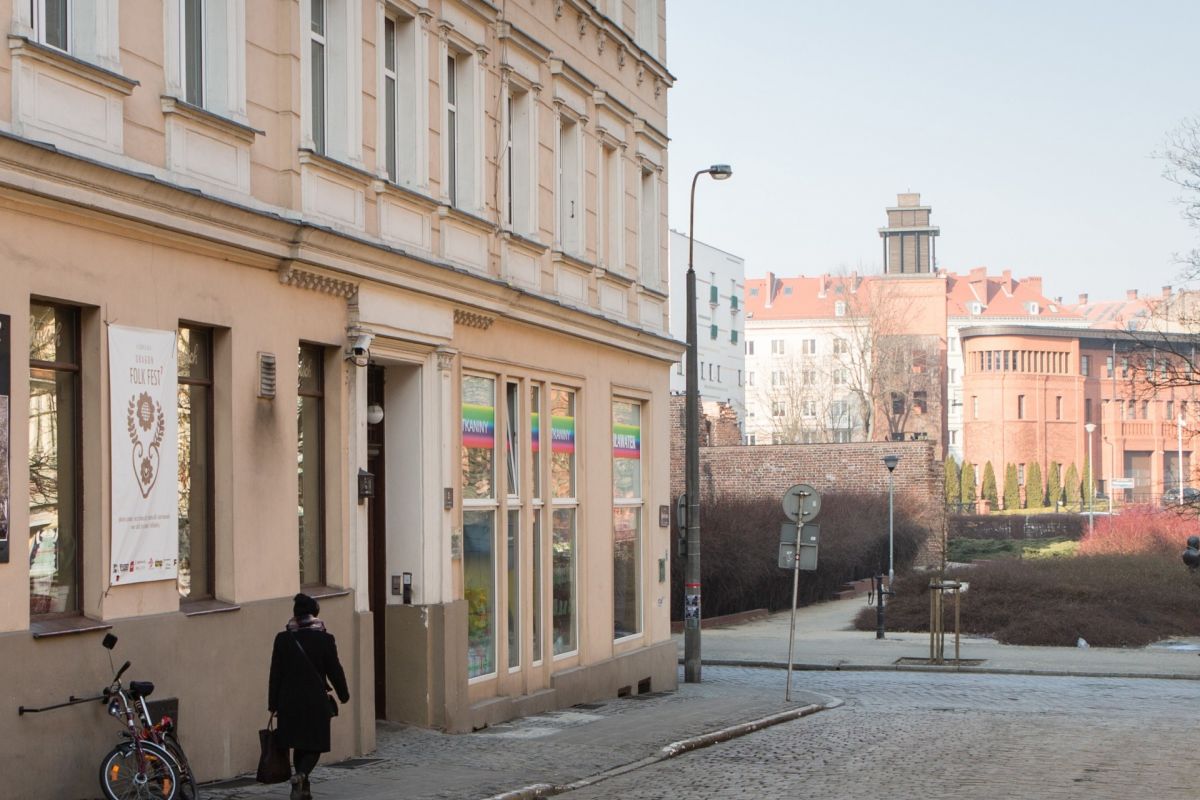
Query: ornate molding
x,y
558,9
445,360
291,275
471,319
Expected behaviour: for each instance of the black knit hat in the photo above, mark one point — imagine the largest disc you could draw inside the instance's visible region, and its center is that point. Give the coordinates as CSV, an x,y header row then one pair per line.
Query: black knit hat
x,y
303,606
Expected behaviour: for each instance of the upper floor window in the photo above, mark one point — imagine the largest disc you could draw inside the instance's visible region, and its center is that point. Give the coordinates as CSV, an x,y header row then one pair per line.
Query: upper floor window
x,y
777,347
808,347
647,26
612,213
332,78
1085,365
570,182
1020,406
460,140
840,346
84,28
402,115
839,308
51,23
649,228
749,347
205,57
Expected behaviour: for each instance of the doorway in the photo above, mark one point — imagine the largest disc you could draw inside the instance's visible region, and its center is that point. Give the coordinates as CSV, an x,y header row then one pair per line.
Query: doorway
x,y
377,536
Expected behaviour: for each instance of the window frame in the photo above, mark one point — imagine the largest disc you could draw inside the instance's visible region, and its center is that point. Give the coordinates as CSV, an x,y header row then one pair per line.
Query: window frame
x,y
318,354
570,503
638,503
209,498
488,505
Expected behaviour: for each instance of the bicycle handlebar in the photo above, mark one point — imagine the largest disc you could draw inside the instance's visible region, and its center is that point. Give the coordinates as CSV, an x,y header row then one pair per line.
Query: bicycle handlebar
x,y
121,671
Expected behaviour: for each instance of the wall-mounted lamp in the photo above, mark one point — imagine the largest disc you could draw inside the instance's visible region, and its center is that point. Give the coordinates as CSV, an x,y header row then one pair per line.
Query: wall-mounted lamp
x,y
366,485
374,414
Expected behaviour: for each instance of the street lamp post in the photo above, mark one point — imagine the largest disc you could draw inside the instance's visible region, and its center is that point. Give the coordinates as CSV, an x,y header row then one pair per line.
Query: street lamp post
x,y
691,589
1091,489
1179,462
889,462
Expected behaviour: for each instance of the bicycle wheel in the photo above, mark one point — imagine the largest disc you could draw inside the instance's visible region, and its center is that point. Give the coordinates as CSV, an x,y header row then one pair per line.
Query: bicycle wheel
x,y
120,780
187,779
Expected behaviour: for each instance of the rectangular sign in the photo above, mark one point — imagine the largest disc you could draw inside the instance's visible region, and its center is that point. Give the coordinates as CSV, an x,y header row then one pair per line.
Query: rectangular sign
x,y
478,426
1122,483
5,393
562,434
144,410
627,441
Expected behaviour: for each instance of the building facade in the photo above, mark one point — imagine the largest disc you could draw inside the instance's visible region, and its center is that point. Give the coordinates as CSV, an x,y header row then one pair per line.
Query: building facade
x,y
410,261
720,321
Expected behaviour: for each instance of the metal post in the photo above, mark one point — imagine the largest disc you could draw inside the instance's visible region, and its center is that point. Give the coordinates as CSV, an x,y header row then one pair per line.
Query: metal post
x,y
691,588
878,606
691,630
1091,468
891,531
1179,463
787,695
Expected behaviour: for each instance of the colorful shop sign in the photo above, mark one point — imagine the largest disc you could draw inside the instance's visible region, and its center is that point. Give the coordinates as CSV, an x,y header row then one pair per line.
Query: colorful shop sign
x,y
478,426
562,434
627,441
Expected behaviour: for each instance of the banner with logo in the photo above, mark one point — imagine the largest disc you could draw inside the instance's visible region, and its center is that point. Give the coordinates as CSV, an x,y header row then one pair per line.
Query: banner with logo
x,y
5,392
562,434
143,400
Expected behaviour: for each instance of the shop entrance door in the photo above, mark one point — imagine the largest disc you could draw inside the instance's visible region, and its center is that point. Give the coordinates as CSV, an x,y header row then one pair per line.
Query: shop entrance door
x,y
377,538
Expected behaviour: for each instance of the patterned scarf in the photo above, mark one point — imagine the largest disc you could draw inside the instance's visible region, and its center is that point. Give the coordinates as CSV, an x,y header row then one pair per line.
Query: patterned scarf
x,y
307,621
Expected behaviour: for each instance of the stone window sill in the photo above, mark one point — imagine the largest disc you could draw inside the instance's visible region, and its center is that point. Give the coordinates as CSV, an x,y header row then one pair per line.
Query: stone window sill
x,y
199,608
65,626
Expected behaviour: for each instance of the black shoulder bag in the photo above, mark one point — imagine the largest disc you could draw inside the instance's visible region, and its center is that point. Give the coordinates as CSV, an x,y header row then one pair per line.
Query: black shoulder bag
x,y
333,706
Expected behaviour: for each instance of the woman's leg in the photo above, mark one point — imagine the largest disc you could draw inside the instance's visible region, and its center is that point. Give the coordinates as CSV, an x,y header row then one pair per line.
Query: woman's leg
x,y
305,760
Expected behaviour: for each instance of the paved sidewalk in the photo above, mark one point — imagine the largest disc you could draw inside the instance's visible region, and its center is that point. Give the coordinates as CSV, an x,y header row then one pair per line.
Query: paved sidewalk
x,y
825,640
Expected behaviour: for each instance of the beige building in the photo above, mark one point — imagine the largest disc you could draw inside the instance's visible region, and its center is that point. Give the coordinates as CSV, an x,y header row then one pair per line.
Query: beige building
x,y
419,240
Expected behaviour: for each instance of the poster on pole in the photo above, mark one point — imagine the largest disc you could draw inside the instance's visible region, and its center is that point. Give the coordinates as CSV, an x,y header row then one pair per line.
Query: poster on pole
x,y
5,474
143,402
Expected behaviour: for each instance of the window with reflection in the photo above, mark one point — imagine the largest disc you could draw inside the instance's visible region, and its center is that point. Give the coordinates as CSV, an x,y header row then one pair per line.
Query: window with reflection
x,y
565,518
535,438
627,517
480,508
310,430
194,350
55,540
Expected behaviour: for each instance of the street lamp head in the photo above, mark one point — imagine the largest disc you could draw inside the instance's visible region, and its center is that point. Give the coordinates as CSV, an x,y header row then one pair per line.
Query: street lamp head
x,y
1090,427
720,171
890,462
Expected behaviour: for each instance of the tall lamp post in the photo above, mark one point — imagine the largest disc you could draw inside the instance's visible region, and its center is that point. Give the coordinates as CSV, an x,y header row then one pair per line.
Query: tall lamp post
x,y
1091,489
691,578
890,462
1179,456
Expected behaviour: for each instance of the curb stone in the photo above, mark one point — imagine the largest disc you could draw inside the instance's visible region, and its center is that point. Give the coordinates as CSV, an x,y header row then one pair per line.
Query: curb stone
x,y
847,667
540,790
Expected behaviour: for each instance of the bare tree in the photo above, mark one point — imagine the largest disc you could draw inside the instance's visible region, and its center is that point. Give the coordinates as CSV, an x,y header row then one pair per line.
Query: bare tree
x,y
795,396
1182,167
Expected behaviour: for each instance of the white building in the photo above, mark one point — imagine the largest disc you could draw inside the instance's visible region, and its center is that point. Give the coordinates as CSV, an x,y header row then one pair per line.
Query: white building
x,y
720,323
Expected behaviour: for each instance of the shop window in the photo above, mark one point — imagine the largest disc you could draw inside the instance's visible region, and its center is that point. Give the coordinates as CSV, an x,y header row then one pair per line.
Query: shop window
x,y
535,439
513,560
627,518
479,521
566,509
310,429
55,483
196,546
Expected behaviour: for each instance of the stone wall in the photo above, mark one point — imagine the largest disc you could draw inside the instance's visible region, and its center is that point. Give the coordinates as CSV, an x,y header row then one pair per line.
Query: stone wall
x,y
766,471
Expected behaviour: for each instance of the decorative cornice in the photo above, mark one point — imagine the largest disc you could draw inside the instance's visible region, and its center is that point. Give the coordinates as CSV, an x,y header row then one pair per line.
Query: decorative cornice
x,y
291,275
472,319
445,359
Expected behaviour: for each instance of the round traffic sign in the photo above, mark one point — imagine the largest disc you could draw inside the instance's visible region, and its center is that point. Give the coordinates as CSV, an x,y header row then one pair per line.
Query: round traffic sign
x,y
801,499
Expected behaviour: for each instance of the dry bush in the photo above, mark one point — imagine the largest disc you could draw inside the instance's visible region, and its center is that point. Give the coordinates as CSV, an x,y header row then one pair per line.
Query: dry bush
x,y
1108,600
1141,529
740,551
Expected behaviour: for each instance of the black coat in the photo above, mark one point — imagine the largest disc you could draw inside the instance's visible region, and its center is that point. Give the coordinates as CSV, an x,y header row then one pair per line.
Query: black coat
x,y
298,684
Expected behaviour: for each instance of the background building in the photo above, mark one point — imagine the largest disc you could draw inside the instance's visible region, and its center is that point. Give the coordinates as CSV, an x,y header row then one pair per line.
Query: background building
x,y
720,322
358,281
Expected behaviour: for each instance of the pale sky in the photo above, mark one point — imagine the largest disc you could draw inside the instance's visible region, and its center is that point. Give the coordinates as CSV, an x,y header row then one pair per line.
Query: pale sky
x,y
1029,126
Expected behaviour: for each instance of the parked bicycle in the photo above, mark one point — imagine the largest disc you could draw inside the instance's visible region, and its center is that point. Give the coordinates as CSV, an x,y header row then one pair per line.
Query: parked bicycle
x,y
162,733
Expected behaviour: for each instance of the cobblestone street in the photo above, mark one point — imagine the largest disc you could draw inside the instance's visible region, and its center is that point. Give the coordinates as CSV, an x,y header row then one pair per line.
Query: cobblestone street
x,y
905,735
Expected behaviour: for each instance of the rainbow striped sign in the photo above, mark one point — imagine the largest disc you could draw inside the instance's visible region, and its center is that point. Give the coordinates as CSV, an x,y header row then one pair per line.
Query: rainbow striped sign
x,y
562,434
478,426
535,431
627,441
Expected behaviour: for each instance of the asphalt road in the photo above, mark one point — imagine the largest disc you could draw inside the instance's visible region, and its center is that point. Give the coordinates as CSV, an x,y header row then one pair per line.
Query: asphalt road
x,y
909,735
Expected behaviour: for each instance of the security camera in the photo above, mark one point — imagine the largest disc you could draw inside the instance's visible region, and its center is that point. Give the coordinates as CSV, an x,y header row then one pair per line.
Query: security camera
x,y
362,343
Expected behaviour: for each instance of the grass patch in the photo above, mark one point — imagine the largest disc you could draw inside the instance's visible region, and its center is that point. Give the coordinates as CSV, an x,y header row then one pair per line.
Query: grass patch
x,y
968,550
1109,600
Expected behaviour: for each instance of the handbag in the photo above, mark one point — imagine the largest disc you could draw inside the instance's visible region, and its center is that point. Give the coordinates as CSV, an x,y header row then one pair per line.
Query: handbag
x,y
273,764
333,706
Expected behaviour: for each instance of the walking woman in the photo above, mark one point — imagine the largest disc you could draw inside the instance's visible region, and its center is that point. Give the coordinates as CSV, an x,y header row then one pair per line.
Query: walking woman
x,y
304,663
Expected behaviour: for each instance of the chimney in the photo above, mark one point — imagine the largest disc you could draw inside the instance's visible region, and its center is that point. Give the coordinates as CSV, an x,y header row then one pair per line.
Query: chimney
x,y
1131,294
1006,281
853,281
1166,291
770,289
822,285
1083,298
977,274
1034,284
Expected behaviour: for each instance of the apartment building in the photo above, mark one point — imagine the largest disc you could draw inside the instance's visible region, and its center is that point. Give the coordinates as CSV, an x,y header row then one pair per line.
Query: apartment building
x,y
369,299
720,322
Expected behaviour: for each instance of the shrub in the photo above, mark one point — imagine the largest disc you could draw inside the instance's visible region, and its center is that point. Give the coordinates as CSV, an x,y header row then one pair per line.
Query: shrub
x,y
968,483
1071,489
1054,492
1108,600
953,481
1035,490
989,485
1140,529
739,568
1012,489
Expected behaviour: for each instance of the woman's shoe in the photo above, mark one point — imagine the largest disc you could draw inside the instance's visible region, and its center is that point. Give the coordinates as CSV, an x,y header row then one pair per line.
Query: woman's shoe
x,y
299,787
305,790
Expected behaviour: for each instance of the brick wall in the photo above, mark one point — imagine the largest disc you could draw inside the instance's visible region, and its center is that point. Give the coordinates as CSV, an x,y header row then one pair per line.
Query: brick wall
x,y
766,471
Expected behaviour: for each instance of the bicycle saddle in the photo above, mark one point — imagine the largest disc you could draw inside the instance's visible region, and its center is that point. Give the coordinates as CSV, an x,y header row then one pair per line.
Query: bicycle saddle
x,y
141,689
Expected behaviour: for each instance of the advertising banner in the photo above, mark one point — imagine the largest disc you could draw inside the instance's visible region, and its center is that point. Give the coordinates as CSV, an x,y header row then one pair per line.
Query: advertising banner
x,y
562,434
5,422
143,400
479,426
627,441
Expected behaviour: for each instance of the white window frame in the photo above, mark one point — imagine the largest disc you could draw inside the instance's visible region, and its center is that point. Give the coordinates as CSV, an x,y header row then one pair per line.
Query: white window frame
x,y
565,503
93,32
519,164
341,41
648,235
490,505
637,503
223,56
647,26
777,347
612,207
462,153
404,161
569,149
808,347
